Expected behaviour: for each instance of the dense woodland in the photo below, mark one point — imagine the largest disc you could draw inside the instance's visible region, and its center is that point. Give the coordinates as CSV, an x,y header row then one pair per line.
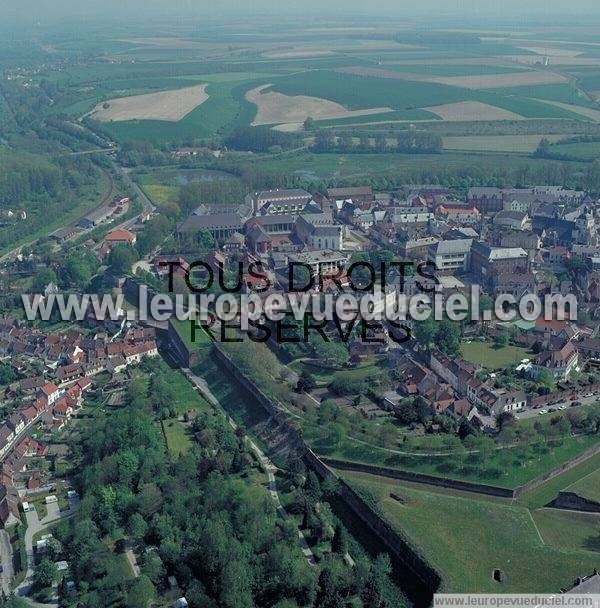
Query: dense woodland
x,y
205,518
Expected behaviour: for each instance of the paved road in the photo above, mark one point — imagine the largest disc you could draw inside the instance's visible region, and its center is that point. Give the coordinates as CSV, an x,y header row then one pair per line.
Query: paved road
x,y
269,467
34,526
6,554
530,412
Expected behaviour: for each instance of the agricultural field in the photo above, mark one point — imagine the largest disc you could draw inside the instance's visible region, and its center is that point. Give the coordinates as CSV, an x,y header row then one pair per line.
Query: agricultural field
x,y
472,110
582,151
497,143
275,108
451,529
167,105
338,77
496,80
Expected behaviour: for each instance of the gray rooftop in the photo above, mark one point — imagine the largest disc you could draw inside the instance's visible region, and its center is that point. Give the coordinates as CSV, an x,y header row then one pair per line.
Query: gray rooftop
x,y
457,246
216,221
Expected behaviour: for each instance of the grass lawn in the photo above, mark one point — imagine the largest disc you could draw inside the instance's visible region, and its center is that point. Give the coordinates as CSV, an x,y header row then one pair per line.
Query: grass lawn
x,y
569,529
465,539
324,375
507,468
159,193
483,353
548,491
184,329
587,487
497,143
185,397
240,405
178,440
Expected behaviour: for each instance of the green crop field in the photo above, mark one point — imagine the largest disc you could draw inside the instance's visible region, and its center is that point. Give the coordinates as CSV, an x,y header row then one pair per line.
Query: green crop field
x,y
522,144
582,151
487,355
467,538
219,113
360,92
566,93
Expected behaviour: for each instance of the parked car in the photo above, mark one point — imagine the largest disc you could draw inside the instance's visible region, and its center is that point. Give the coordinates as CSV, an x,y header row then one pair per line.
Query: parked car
x,y
575,403
542,412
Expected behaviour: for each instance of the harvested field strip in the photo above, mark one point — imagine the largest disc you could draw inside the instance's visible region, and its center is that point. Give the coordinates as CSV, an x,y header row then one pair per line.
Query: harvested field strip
x,y
439,69
170,106
279,108
473,81
472,110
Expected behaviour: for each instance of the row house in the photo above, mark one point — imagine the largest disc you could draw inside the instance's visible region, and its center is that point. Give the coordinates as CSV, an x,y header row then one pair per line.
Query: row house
x,y
516,285
513,220
495,401
456,372
459,214
135,353
279,202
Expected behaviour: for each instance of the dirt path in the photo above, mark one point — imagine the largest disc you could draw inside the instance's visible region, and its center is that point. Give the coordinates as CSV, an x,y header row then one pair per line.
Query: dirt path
x,y
6,553
268,466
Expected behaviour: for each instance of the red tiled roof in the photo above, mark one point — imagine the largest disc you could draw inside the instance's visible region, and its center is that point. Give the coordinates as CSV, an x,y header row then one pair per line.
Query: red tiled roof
x,y
120,236
49,389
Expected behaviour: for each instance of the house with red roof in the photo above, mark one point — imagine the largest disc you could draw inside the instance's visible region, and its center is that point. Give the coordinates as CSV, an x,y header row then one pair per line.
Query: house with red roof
x,y
51,392
29,414
134,354
120,236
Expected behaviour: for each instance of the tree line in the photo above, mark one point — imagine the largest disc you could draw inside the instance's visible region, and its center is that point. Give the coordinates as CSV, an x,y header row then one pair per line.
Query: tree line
x,y
406,142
